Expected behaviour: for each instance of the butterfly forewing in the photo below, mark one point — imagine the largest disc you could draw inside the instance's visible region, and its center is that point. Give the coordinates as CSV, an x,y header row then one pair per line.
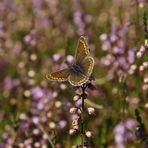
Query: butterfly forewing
x,y
77,79
87,65
82,50
61,75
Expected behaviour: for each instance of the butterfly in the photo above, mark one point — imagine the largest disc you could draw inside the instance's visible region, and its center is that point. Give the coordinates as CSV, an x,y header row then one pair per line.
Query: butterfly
x,y
79,72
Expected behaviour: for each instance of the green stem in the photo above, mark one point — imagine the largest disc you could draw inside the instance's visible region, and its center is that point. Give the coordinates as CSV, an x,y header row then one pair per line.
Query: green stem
x,y
49,140
82,116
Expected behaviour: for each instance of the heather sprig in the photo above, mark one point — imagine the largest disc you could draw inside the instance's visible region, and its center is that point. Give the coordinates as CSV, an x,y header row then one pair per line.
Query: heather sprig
x,y
79,113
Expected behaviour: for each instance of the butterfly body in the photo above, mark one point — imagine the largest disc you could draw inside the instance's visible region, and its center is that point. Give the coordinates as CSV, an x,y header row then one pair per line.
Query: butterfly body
x,y
77,69
79,72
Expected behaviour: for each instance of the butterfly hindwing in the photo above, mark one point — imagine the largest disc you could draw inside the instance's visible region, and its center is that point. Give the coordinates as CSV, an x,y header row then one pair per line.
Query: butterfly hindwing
x,y
77,79
87,65
82,50
61,75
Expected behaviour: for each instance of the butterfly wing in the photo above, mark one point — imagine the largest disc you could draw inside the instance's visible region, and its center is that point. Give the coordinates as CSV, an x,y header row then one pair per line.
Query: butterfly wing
x,y
61,75
77,79
83,60
82,50
87,65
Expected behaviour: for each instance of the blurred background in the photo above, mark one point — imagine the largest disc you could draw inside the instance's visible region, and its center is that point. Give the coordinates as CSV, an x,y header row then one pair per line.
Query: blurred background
x,y
39,36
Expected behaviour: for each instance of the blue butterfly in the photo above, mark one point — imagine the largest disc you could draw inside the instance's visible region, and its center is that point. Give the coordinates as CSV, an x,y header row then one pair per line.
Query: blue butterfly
x,y
79,72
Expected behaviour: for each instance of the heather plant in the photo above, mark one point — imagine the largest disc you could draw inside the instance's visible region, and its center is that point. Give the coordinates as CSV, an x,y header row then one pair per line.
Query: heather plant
x,y
40,36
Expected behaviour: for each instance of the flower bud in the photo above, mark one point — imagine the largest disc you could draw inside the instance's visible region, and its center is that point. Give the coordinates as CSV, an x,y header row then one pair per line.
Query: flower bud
x,y
145,64
73,110
76,98
63,86
76,127
91,111
79,112
36,144
133,67
69,59
139,54
146,80
145,87
52,125
88,134
142,49
146,105
56,57
72,131
58,104
141,68
79,103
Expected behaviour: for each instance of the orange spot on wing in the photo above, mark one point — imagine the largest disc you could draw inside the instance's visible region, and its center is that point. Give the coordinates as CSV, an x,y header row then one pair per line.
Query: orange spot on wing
x,y
50,76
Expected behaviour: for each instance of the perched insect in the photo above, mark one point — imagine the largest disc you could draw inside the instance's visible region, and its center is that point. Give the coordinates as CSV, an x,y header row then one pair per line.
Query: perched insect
x,y
79,72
